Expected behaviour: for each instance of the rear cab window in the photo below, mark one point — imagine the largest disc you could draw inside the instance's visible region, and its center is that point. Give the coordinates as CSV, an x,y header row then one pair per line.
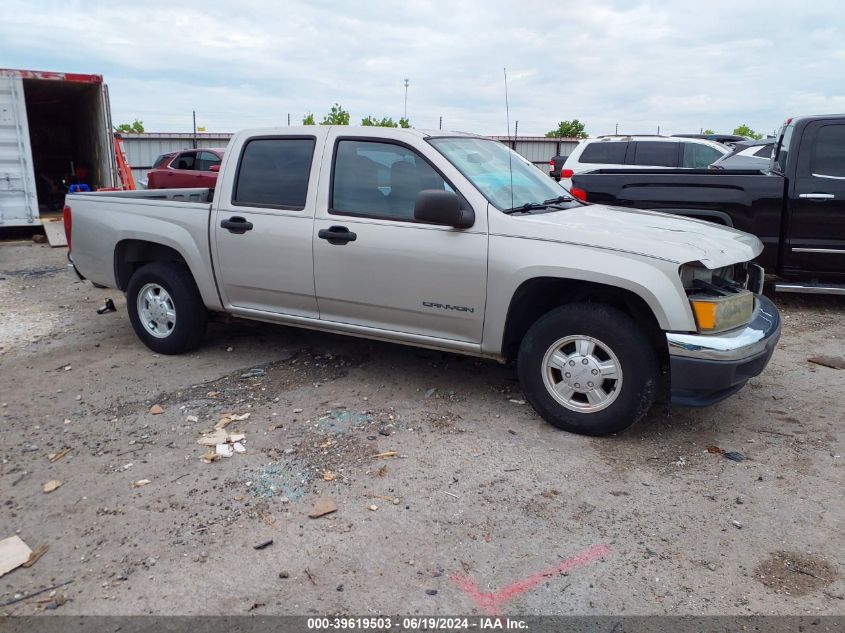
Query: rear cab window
x,y
161,160
273,172
604,152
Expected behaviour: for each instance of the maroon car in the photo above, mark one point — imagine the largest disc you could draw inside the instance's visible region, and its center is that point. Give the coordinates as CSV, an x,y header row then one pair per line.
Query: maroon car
x,y
185,169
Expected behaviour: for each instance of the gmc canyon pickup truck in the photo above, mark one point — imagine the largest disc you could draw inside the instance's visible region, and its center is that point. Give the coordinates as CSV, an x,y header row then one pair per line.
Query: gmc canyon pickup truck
x,y
446,241
796,206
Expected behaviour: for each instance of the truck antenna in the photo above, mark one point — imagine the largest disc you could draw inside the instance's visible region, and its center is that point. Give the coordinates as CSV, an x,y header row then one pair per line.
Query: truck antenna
x,y
510,143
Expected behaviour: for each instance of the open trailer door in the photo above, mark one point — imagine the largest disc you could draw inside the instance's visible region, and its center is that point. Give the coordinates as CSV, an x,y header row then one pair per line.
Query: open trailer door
x,y
18,200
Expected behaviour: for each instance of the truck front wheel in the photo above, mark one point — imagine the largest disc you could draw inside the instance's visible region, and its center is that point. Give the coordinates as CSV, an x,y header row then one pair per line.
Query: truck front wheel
x,y
588,369
165,307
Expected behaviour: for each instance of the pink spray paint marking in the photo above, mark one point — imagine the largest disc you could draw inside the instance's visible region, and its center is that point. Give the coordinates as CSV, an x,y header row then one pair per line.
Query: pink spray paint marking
x,y
491,602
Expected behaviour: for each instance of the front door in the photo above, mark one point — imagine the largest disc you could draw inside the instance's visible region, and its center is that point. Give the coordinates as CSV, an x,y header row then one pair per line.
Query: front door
x,y
375,266
816,238
262,229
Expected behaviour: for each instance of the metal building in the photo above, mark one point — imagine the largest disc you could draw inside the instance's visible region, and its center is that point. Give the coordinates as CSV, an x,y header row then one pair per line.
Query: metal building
x,y
539,149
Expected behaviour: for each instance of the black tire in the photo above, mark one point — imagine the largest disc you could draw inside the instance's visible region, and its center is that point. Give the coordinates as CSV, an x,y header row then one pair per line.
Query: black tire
x,y
188,327
631,395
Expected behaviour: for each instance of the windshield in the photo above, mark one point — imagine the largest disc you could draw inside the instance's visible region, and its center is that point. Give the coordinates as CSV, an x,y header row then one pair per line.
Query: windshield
x,y
488,164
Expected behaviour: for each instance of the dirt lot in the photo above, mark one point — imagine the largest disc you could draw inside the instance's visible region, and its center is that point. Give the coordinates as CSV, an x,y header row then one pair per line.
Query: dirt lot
x,y
484,508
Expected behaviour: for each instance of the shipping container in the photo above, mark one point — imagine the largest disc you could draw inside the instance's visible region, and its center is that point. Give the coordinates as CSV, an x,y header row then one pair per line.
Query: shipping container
x,y
55,132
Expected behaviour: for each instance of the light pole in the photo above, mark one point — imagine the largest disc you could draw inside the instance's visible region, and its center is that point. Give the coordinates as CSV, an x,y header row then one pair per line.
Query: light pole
x,y
406,99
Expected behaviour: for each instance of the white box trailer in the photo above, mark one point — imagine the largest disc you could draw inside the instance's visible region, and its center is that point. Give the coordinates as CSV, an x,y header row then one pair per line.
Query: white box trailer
x,y
55,131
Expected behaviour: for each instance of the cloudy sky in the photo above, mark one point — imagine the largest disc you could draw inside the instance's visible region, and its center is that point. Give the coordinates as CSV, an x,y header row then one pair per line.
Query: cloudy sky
x,y
677,64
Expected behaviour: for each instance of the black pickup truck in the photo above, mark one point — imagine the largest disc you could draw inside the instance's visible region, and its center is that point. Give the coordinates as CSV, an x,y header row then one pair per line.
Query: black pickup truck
x,y
796,206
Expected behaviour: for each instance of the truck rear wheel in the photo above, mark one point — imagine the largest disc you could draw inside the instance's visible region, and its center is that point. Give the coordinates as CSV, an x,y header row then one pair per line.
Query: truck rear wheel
x,y
588,369
165,307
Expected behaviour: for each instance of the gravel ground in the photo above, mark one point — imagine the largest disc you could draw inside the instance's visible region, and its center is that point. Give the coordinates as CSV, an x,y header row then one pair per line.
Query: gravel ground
x,y
478,506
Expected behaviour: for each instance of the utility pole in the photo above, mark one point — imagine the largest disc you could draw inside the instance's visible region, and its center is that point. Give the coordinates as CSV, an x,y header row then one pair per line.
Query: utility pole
x,y
288,119
195,128
516,129
406,98
617,128
658,130
441,123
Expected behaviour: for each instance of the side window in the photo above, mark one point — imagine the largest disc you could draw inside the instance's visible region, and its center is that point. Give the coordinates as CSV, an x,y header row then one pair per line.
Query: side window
x,y
698,156
206,160
604,152
829,152
274,172
379,180
184,161
161,160
656,153
764,152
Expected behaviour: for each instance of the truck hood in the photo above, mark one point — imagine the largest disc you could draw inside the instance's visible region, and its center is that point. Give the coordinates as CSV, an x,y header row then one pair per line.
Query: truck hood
x,y
649,233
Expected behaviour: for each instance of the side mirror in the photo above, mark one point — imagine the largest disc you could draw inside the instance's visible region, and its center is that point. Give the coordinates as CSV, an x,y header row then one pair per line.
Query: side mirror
x,y
438,206
214,167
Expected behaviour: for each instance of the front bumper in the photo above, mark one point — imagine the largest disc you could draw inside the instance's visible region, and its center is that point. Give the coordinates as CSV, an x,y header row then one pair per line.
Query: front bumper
x,y
707,368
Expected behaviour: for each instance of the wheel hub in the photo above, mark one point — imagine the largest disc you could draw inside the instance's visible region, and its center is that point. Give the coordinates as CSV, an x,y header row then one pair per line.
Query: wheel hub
x,y
156,310
582,373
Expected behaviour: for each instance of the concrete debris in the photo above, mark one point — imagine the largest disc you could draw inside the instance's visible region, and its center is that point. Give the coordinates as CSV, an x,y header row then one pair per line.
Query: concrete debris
x,y
156,410
51,485
140,483
322,507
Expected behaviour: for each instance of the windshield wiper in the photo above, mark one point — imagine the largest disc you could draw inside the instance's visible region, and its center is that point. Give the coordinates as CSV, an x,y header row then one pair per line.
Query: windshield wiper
x,y
552,203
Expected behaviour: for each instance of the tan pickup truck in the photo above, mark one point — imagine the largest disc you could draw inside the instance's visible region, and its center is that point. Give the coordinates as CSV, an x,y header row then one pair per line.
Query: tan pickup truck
x,y
447,241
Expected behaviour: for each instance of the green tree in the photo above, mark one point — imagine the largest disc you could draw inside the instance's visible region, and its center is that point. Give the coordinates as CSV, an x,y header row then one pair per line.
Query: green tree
x,y
568,129
708,131
403,122
385,121
136,126
336,116
744,130
308,119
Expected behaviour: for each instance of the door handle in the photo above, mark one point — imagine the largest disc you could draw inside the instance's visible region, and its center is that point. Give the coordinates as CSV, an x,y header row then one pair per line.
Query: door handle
x,y
338,235
237,225
816,196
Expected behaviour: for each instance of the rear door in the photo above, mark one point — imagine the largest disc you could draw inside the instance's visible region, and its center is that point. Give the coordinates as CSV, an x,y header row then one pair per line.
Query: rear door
x,y
18,202
263,225
816,239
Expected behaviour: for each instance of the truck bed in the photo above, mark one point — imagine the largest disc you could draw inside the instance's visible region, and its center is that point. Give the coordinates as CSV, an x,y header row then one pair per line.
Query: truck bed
x,y
108,224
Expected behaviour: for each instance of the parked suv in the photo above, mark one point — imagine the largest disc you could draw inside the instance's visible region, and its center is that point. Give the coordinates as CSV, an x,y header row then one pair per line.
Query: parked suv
x,y
650,152
186,169
747,155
